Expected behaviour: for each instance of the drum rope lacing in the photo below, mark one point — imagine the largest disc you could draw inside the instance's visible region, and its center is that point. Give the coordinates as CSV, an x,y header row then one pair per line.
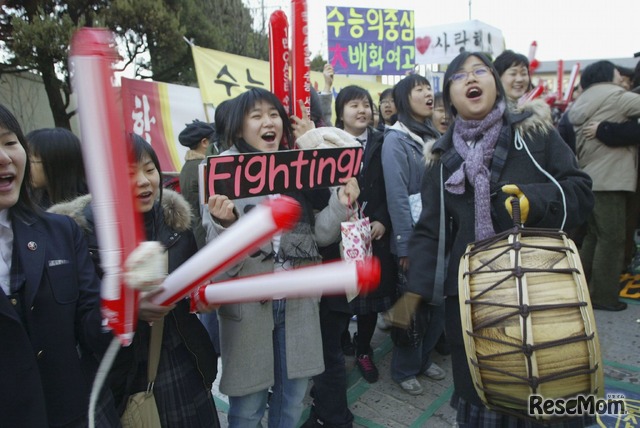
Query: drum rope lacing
x,y
523,310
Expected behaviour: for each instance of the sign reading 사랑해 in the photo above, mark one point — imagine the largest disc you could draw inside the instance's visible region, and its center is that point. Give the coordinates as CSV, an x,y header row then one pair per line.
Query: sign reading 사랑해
x,y
255,174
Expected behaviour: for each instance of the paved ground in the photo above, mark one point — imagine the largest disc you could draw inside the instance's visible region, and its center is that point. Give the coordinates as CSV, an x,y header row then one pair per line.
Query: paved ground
x,y
384,404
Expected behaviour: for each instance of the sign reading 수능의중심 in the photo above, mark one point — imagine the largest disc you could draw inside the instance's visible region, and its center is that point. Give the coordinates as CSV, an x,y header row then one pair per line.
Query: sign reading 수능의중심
x,y
370,41
264,173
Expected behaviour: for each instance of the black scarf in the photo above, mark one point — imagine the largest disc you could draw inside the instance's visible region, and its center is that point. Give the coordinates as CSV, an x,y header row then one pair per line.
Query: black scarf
x,y
424,130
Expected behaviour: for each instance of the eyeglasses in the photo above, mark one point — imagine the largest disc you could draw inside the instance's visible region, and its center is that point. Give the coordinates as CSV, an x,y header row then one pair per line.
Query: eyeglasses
x,y
386,101
35,161
461,76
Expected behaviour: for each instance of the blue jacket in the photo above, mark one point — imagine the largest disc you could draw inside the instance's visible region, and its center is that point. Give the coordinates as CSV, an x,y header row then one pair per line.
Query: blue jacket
x,y
403,167
45,380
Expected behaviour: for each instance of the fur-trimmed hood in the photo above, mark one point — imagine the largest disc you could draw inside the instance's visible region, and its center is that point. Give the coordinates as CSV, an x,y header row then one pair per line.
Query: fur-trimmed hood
x,y
176,210
193,155
533,117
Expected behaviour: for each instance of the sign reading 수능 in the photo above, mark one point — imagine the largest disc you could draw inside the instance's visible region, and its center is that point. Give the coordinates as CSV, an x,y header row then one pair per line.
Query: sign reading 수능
x,y
370,41
264,173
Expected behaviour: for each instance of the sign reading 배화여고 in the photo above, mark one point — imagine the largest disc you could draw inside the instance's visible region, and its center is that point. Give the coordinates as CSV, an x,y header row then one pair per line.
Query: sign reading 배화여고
x,y
265,173
370,41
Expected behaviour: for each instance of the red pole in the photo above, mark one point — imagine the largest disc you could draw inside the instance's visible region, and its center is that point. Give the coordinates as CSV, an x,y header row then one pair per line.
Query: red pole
x,y
572,82
279,57
300,75
108,155
560,77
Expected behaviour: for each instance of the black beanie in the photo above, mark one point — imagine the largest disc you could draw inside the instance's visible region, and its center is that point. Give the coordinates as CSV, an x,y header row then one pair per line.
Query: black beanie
x,y
195,132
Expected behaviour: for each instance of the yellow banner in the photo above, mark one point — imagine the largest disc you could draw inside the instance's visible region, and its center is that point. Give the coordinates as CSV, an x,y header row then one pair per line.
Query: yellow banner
x,y
223,75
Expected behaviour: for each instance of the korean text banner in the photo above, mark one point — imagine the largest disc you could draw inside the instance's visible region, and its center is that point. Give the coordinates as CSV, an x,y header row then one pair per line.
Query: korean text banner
x,y
222,76
442,43
370,41
159,112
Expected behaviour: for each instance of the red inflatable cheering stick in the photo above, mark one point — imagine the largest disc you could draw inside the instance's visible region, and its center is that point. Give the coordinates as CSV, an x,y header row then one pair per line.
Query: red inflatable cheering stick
x,y
532,94
279,57
533,62
107,155
300,73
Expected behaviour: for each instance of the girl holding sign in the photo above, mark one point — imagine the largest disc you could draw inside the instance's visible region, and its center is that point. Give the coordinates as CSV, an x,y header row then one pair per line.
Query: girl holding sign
x,y
272,343
188,362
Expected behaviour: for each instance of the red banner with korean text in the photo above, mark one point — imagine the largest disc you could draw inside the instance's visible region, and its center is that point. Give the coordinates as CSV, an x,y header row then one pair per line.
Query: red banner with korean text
x,y
158,112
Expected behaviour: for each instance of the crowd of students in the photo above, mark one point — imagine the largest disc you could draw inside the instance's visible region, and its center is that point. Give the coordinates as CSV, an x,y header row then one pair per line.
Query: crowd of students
x,y
451,155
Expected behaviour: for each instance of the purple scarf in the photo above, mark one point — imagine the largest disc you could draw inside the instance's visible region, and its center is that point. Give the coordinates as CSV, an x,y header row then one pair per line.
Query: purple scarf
x,y
483,136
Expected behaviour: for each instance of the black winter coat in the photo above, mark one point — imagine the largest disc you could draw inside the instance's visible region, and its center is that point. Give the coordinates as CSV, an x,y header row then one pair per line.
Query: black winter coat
x,y
509,166
169,224
374,194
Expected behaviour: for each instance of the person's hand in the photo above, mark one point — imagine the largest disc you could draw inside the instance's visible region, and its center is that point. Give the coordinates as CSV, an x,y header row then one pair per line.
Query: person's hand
x,y
590,129
348,193
401,313
404,263
222,209
512,189
203,308
150,312
145,267
377,230
328,73
301,126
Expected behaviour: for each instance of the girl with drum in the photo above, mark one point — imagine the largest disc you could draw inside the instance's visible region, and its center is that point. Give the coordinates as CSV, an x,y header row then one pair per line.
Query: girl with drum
x,y
488,154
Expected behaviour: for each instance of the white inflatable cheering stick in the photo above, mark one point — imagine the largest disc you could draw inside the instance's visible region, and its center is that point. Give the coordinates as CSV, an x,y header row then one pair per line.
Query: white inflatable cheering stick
x,y
331,278
241,239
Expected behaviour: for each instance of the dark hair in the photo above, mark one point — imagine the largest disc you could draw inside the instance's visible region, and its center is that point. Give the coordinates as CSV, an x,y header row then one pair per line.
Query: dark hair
x,y
598,72
508,59
141,148
438,99
635,81
625,71
241,106
456,65
220,117
350,93
384,94
401,93
25,204
61,154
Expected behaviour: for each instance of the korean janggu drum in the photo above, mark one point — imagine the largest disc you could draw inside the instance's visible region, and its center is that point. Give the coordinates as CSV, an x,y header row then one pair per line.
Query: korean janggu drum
x,y
527,320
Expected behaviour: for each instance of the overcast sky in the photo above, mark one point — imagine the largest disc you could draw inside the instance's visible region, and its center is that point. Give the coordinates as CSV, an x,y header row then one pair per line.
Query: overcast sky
x,y
563,29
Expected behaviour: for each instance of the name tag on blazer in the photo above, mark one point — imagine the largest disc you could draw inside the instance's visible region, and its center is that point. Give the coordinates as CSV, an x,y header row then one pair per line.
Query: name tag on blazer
x,y
53,263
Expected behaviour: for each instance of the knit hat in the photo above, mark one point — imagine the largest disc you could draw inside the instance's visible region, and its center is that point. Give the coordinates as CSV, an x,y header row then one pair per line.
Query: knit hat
x,y
326,137
195,132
